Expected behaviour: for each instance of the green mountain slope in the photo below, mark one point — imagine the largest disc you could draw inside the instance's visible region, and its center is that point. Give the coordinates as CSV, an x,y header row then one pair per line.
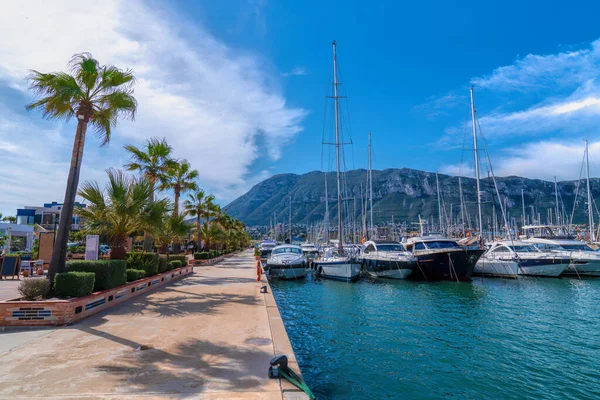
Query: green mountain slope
x,y
402,193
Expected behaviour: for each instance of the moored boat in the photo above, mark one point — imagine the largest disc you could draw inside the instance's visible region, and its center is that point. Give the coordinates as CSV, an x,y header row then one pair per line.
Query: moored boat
x,y
387,259
265,248
286,262
532,261
440,258
583,260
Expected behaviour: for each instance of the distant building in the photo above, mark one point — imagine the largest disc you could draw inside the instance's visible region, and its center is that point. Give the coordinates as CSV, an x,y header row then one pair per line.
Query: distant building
x,y
47,216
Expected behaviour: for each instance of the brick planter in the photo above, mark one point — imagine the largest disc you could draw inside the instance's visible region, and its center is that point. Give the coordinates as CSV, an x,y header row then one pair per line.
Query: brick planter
x,y
64,312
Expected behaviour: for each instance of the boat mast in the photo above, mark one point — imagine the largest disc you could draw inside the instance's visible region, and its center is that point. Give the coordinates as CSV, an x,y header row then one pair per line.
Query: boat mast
x,y
437,184
523,203
290,219
370,188
556,195
590,214
462,205
326,212
337,150
476,165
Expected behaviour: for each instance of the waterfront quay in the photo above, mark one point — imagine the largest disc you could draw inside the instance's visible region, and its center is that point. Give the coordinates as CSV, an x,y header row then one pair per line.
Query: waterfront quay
x,y
208,336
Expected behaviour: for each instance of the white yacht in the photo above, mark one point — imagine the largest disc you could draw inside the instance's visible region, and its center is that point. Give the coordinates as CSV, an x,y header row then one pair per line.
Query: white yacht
x,y
287,261
530,259
584,261
265,248
497,264
387,259
310,250
337,265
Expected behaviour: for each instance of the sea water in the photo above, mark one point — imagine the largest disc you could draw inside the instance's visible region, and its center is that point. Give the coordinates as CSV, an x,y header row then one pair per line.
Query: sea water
x,y
490,339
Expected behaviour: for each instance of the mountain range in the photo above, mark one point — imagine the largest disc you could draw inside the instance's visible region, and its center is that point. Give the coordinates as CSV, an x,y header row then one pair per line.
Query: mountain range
x,y
404,194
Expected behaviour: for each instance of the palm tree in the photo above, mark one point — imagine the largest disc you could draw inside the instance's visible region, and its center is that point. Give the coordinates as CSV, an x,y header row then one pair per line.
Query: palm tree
x,y
120,209
171,229
10,218
95,94
181,178
194,206
153,162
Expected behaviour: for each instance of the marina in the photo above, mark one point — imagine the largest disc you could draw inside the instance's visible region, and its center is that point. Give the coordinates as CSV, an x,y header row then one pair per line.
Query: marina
x,y
493,338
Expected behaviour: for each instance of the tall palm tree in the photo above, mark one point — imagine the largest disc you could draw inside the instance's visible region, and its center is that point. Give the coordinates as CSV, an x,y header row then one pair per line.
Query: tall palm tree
x,y
120,209
170,230
181,178
194,206
154,162
95,94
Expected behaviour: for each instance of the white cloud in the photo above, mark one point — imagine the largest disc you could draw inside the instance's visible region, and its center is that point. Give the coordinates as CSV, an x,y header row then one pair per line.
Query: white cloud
x,y
297,71
211,102
539,160
539,71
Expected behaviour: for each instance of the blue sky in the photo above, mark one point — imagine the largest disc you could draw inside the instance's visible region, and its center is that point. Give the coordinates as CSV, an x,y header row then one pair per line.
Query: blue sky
x,y
238,87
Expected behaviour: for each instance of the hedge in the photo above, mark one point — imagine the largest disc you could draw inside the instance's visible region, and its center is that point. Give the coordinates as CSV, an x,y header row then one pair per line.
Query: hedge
x,y
109,273
182,258
163,263
204,255
176,264
149,262
74,284
135,274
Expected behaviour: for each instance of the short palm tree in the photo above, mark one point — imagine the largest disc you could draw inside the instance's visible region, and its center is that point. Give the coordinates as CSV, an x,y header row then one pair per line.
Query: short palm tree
x,y
194,207
94,94
171,229
181,178
120,209
152,161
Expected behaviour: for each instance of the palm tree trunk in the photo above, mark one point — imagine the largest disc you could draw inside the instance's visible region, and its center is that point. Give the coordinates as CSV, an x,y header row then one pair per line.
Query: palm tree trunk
x,y
147,234
176,205
198,233
59,253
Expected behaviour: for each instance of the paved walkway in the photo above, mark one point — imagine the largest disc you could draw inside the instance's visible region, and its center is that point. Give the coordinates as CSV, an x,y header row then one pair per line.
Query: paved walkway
x,y
8,289
207,336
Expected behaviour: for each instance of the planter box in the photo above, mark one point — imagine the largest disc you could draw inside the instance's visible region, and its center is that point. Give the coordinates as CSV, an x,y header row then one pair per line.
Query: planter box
x,y
64,312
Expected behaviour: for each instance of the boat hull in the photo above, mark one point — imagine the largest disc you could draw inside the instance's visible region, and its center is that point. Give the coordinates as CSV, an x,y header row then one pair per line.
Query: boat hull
x,y
347,271
542,267
277,271
446,265
583,268
389,269
496,268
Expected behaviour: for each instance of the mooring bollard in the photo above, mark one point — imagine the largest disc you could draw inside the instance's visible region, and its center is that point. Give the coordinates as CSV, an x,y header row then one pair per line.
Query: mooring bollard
x,y
258,271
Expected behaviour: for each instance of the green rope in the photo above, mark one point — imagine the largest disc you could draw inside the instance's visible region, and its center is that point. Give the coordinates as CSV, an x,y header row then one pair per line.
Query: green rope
x,y
297,381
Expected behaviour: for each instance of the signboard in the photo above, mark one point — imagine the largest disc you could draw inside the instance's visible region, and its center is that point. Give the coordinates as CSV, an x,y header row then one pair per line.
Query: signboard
x,y
91,247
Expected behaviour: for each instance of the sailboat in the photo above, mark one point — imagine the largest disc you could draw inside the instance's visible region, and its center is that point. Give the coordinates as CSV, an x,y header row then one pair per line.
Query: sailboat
x,y
338,263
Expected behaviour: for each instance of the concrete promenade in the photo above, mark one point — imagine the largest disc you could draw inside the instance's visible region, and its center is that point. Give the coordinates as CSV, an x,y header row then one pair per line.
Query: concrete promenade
x,y
208,336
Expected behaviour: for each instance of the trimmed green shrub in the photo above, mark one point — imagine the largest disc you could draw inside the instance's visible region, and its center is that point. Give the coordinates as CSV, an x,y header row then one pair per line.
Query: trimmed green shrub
x,y
135,274
149,262
163,263
176,264
33,289
74,284
109,273
182,258
204,255
170,265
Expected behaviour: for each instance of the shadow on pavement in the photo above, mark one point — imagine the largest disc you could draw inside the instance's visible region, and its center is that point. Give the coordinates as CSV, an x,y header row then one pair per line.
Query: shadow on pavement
x,y
188,368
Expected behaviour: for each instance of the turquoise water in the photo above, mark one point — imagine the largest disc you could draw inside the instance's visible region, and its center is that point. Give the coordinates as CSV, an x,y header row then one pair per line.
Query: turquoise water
x,y
489,339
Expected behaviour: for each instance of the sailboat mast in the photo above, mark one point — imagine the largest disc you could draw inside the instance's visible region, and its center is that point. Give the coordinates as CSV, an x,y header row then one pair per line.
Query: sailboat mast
x,y
290,220
476,165
523,203
370,187
326,212
590,214
337,149
556,196
462,205
437,185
